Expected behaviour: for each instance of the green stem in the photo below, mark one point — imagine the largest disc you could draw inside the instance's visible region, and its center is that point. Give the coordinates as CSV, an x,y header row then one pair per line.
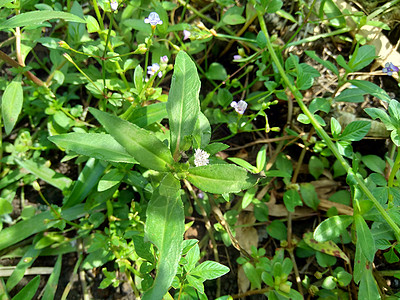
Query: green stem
x,y
392,175
98,15
321,132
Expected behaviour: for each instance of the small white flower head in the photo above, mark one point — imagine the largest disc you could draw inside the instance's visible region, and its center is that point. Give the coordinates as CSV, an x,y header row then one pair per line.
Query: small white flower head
x,y
186,34
237,57
240,106
153,19
164,59
114,5
153,69
201,158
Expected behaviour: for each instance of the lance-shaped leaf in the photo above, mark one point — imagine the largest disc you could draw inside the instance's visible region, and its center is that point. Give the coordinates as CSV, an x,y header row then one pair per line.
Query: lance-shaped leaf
x,y
328,247
97,145
332,228
88,178
23,229
183,104
365,238
11,104
143,145
38,17
52,177
220,179
165,226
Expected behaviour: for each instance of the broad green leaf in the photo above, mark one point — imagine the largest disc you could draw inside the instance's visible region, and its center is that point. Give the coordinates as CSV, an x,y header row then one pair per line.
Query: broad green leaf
x,y
273,6
86,181
376,113
202,132
394,111
342,62
165,226
332,228
45,173
336,128
192,257
142,248
147,115
96,145
110,179
143,145
29,290
362,57
25,262
214,148
371,88
183,104
209,270
359,263
320,104
51,285
37,18
5,3
92,24
11,104
261,158
333,13
195,283
365,238
277,230
325,260
261,210
355,95
252,275
355,131
374,162
391,256
315,167
291,198
216,71
23,229
368,287
327,247
233,16
309,195
219,179
5,207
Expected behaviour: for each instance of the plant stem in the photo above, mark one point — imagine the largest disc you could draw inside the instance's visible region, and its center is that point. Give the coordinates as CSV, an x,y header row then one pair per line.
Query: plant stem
x,y
98,15
321,132
392,175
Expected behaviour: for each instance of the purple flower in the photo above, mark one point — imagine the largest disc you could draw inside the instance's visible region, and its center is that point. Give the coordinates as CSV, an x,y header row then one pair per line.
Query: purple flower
x,y
114,5
237,57
240,106
153,19
390,68
186,34
153,69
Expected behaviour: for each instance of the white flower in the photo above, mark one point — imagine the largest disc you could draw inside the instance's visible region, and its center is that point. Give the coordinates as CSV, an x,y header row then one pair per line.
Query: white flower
x,y
240,106
114,5
153,19
164,59
153,69
201,158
